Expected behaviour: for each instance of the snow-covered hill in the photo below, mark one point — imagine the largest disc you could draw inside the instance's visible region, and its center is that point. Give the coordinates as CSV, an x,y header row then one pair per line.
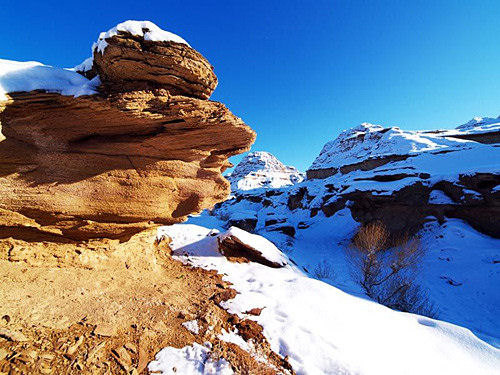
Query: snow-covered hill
x,y
260,169
319,328
443,186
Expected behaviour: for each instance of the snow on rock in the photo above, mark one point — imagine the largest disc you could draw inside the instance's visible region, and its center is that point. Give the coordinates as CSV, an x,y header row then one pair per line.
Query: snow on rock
x,y
32,75
193,360
192,326
326,331
439,197
236,241
368,141
260,169
480,124
146,29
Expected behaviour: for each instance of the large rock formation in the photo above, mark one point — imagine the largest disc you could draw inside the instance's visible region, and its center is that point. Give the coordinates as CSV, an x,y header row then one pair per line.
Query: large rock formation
x,y
147,149
397,177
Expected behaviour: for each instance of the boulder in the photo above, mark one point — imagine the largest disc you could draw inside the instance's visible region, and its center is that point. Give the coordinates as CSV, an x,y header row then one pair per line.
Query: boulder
x,y
239,244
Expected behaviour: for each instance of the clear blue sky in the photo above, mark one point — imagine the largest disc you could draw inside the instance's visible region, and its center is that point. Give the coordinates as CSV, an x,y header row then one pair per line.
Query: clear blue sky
x,y
299,72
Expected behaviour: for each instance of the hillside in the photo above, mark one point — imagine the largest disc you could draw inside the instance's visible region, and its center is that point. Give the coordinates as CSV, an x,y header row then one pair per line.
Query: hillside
x,y
440,186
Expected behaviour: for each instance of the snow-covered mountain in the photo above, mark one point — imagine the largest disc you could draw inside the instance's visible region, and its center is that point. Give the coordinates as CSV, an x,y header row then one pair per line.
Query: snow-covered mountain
x,y
442,186
260,169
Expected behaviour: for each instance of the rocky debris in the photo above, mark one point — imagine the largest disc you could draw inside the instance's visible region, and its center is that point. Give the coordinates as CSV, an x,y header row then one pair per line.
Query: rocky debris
x,y
148,149
12,335
71,315
260,169
255,311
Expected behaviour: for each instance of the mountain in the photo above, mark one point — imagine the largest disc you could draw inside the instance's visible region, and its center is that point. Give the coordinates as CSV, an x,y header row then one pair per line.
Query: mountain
x,y
261,169
442,187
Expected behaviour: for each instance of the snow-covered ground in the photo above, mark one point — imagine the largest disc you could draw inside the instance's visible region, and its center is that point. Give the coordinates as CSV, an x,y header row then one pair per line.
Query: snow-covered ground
x,y
194,359
324,330
459,269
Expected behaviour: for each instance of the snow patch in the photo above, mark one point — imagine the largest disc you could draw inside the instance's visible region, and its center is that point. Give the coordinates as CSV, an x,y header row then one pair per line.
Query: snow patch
x,y
146,29
439,197
192,326
32,75
195,360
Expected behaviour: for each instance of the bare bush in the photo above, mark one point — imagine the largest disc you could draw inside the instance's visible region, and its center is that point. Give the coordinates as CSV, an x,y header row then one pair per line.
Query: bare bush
x,y
324,270
386,269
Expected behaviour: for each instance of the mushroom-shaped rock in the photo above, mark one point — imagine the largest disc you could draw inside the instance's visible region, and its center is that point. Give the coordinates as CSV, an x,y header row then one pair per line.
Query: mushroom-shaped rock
x,y
109,164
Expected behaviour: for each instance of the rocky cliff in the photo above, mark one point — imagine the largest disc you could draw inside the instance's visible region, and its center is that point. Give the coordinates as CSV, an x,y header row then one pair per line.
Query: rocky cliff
x,y
146,148
390,175
261,169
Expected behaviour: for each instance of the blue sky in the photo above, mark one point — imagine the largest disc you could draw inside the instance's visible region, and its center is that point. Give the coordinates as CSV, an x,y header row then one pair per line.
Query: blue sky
x,y
299,72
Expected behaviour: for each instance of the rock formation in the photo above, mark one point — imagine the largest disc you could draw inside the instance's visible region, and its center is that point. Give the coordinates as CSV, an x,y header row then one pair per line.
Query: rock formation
x,y
148,148
397,177
261,169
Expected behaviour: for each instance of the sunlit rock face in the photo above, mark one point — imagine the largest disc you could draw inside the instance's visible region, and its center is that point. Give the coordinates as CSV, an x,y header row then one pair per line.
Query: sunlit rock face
x,y
148,148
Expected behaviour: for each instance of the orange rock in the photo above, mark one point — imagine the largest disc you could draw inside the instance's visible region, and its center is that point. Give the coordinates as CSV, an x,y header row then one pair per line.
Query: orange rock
x,y
110,165
130,63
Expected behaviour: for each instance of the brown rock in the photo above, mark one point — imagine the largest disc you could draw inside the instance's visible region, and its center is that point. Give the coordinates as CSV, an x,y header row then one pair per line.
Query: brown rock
x,y
110,166
249,329
255,311
232,247
129,62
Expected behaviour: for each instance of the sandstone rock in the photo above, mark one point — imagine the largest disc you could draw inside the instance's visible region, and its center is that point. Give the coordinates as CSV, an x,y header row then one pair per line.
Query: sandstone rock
x,y
112,164
130,62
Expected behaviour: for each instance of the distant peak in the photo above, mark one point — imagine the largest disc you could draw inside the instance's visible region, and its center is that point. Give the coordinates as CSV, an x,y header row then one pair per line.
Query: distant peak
x,y
261,169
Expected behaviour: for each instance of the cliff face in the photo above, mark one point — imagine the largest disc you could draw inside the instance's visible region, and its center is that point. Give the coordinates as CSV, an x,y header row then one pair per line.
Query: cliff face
x,y
149,148
397,177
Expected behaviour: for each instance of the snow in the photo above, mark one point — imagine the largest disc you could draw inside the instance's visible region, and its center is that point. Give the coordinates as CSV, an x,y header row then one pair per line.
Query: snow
x,y
261,169
32,75
324,330
480,125
439,197
192,326
146,29
234,338
191,360
263,246
368,141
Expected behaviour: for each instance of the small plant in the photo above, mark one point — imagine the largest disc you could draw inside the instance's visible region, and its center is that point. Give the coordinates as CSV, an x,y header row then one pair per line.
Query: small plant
x,y
386,269
324,270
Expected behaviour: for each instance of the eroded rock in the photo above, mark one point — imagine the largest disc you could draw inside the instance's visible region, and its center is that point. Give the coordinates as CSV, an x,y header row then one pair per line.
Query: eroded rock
x,y
112,164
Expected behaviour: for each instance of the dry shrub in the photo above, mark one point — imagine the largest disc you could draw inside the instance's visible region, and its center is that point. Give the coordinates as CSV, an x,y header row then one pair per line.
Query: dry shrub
x,y
324,270
386,269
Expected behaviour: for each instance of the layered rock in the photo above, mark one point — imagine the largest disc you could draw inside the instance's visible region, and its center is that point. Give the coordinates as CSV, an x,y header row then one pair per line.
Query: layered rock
x,y
148,149
139,55
400,178
261,169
